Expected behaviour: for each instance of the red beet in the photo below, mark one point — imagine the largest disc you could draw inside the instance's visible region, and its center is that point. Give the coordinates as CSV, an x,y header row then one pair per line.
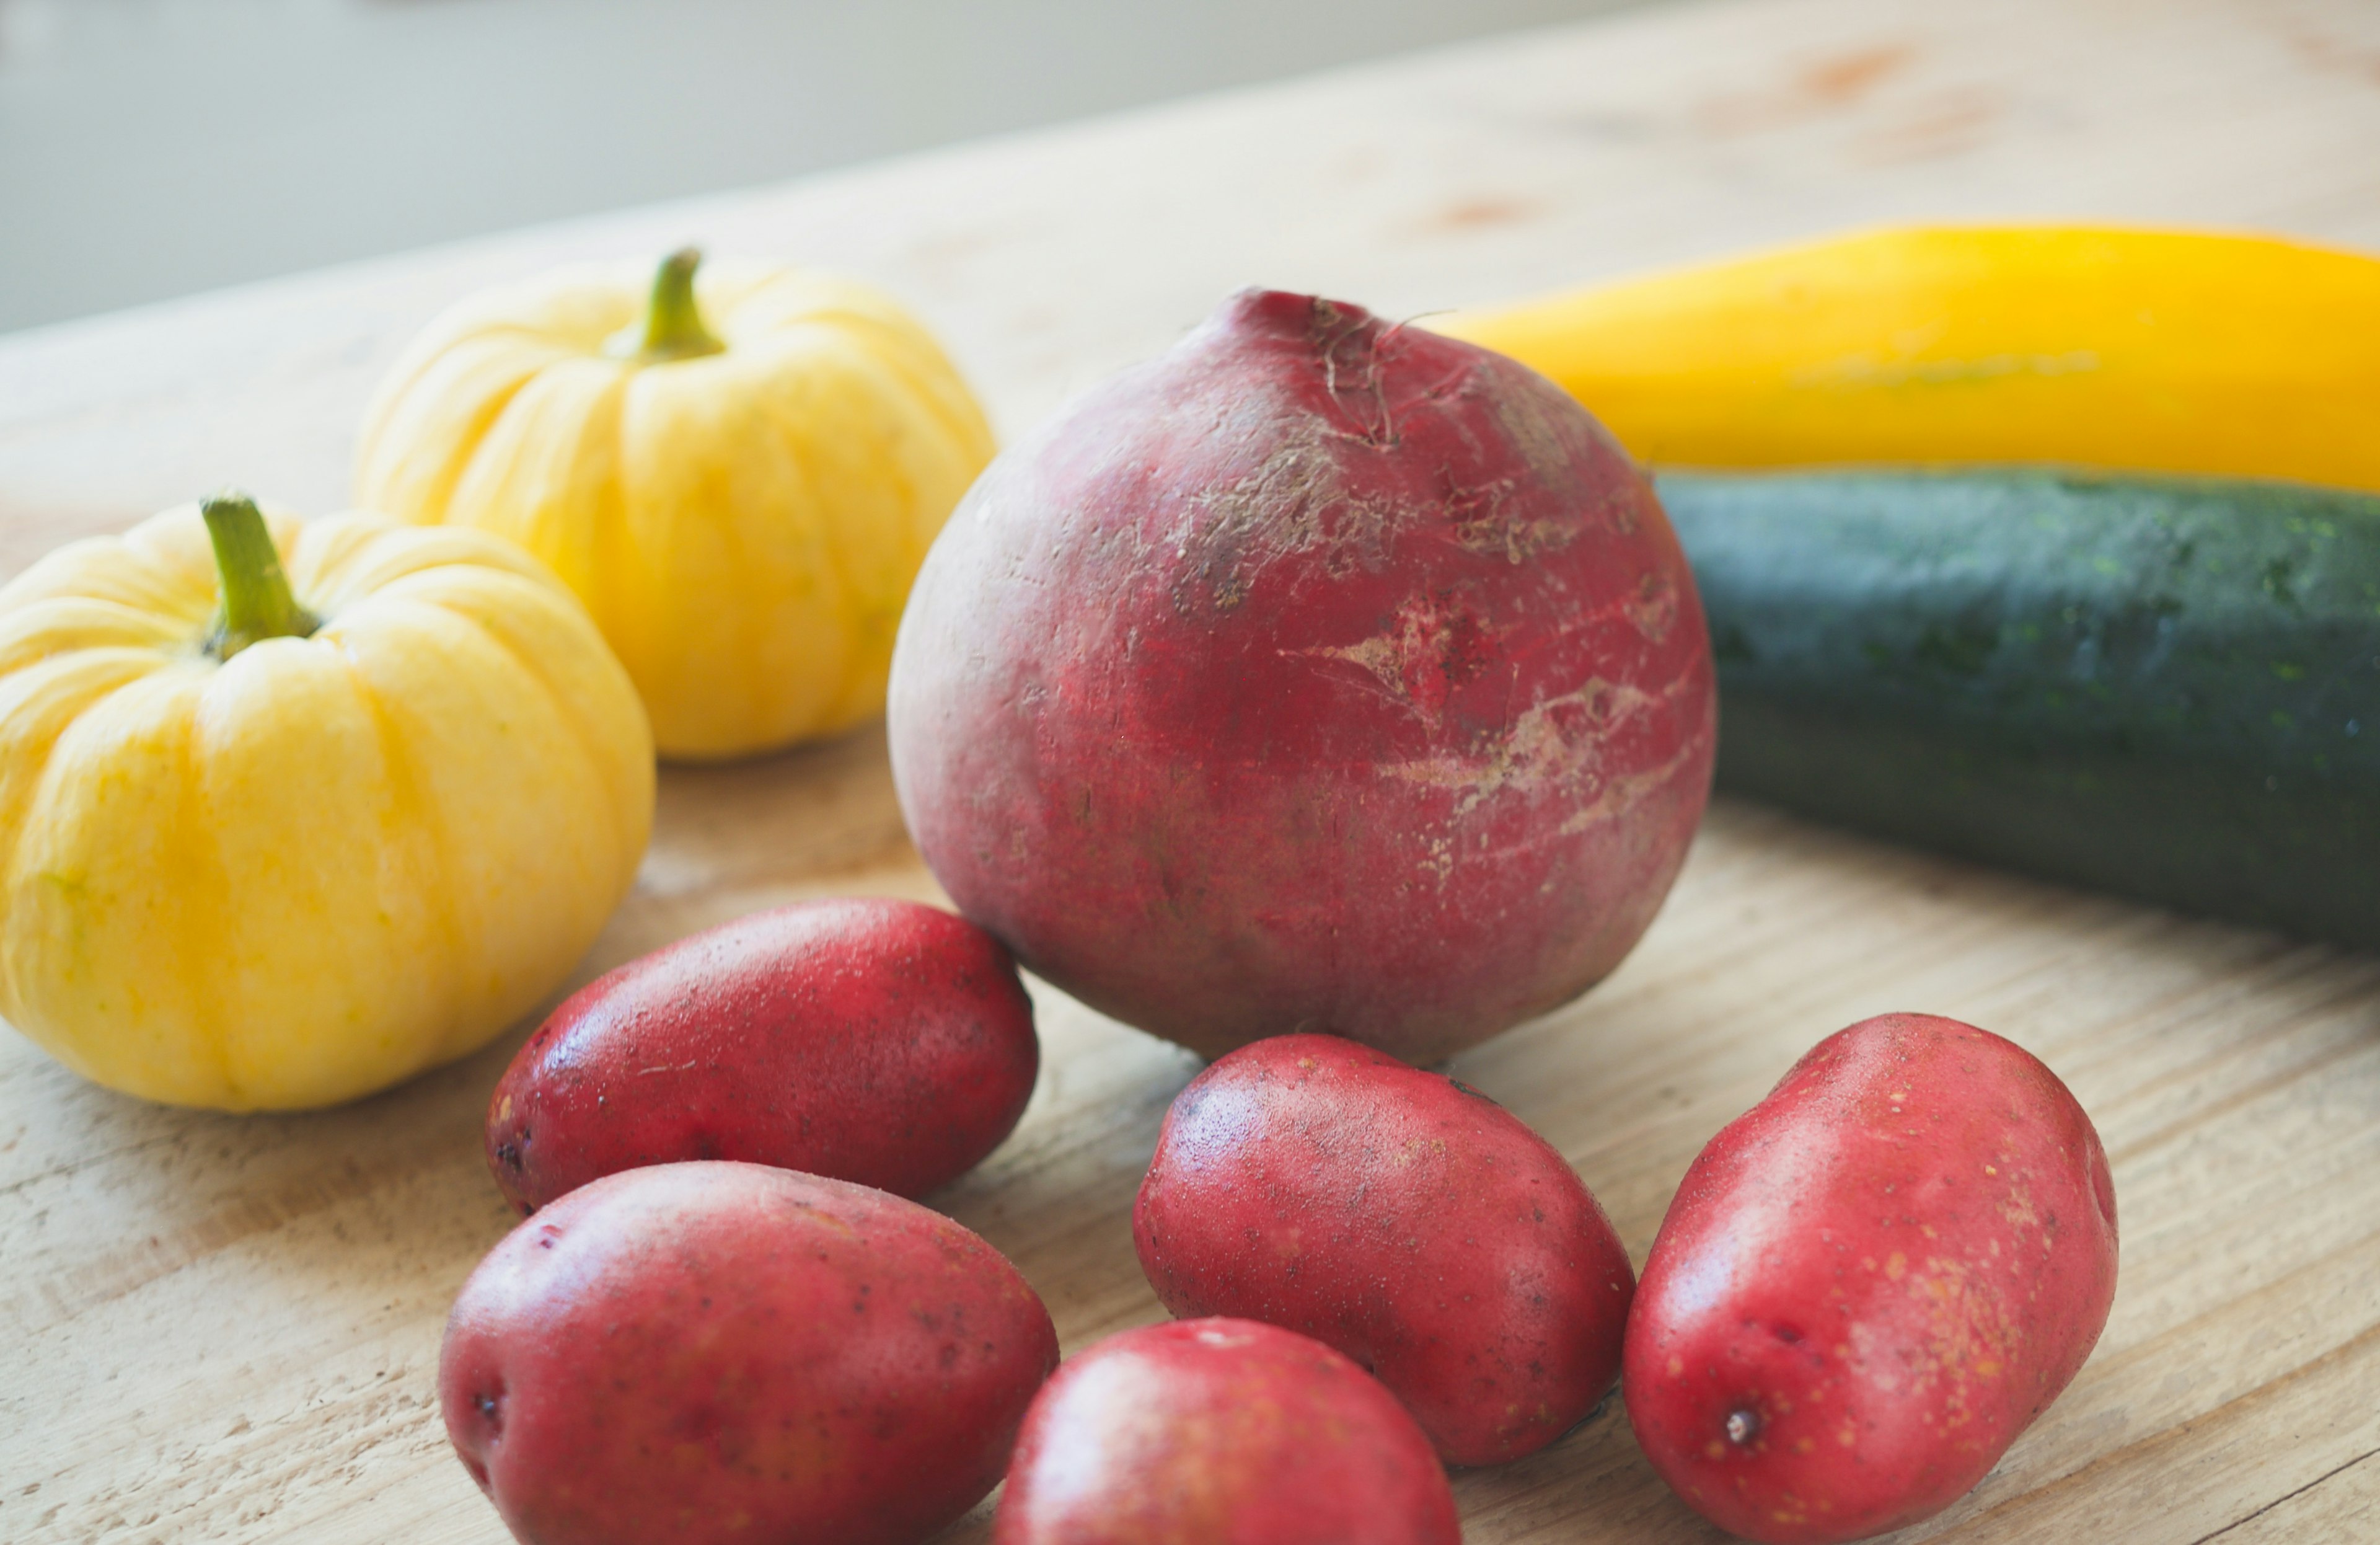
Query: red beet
x,y
872,1040
1870,1284
731,1354
1401,1217
1221,1430
1320,674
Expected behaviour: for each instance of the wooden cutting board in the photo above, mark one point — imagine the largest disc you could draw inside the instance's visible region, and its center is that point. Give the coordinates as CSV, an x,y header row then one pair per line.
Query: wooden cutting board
x,y
224,1329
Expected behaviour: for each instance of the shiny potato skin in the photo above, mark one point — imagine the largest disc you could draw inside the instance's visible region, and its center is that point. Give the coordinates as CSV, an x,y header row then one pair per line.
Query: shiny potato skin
x,y
1401,1217
1869,1283
875,1040
725,1354
1221,1432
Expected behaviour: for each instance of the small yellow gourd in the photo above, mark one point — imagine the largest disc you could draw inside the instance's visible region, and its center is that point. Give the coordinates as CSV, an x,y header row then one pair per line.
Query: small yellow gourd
x,y
278,837
739,480
2152,350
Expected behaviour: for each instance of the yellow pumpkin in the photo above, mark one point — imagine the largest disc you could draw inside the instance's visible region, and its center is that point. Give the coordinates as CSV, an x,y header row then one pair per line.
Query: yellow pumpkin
x,y
2150,350
277,837
739,481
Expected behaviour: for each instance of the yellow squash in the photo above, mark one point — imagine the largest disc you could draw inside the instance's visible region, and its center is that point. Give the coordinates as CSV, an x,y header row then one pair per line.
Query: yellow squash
x,y
279,837
2163,351
740,490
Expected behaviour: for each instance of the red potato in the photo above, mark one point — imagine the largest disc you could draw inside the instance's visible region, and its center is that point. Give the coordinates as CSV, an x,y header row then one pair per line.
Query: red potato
x,y
1320,675
731,1353
1870,1284
873,1040
1401,1218
1221,1432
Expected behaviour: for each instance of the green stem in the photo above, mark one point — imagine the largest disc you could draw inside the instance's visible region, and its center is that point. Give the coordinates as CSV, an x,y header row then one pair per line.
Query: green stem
x,y
673,327
257,605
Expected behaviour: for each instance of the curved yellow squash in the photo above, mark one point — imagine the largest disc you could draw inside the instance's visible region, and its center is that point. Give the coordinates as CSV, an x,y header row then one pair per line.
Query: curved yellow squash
x,y
2154,350
302,872
739,477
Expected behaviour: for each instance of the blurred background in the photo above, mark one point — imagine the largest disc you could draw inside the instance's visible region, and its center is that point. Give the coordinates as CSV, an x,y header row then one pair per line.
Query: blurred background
x,y
154,148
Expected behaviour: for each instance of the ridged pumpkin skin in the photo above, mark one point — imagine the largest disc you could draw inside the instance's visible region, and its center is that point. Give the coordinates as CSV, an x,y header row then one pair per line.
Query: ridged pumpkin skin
x,y
744,525
2161,351
298,875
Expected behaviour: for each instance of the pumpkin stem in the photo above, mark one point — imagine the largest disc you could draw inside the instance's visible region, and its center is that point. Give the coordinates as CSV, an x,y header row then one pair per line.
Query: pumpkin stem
x,y
672,328
257,605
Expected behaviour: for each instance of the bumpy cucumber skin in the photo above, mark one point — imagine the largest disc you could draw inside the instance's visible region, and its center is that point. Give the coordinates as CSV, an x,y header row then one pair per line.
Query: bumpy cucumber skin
x,y
2167,688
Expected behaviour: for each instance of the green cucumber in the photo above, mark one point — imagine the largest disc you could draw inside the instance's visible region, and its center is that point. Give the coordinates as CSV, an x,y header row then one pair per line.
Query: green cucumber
x,y
2167,688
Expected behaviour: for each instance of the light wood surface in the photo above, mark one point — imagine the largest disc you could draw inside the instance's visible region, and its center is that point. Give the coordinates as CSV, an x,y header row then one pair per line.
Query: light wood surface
x,y
225,1329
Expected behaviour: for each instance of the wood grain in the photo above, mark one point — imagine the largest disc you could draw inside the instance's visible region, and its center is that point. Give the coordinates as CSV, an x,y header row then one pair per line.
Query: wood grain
x,y
224,1329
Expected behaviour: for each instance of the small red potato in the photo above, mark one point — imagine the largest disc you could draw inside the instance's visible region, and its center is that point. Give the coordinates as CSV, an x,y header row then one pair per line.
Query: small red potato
x,y
716,1352
873,1040
1221,1432
1870,1282
1401,1217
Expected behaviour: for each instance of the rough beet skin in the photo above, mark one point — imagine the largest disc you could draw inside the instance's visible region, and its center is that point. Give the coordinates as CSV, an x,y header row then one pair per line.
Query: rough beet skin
x,y
1221,1430
1870,1284
1320,675
716,1354
1401,1217
873,1040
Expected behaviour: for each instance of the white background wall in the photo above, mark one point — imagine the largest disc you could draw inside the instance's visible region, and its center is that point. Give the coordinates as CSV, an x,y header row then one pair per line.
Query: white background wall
x,y
153,148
